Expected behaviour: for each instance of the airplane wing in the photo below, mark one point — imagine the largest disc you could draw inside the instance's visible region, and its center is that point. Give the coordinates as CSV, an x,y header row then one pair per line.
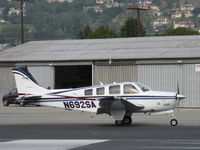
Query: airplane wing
x,y
110,104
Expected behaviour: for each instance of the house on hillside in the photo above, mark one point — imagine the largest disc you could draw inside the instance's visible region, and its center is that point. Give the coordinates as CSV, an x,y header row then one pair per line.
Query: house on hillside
x,y
104,1
97,9
160,22
187,7
1,11
111,5
179,14
143,6
154,10
144,1
50,1
186,24
13,11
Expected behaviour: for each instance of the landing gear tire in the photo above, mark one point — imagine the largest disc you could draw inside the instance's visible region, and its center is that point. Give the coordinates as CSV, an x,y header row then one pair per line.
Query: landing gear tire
x,y
5,103
118,122
127,120
21,104
173,122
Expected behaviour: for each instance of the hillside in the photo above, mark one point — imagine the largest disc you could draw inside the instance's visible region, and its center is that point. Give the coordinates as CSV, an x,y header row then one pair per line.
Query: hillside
x,y
61,20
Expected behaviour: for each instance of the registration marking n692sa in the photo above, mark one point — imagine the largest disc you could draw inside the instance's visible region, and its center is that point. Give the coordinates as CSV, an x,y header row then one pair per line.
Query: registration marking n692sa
x,y
79,104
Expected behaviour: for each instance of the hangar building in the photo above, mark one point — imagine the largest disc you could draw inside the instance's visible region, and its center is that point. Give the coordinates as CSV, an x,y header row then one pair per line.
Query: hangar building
x,y
159,62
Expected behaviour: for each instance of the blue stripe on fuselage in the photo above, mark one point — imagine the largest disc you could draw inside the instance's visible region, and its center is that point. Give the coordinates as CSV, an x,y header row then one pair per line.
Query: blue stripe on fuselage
x,y
76,99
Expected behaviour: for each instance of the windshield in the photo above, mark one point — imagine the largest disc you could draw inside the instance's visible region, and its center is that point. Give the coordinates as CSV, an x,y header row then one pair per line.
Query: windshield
x,y
143,87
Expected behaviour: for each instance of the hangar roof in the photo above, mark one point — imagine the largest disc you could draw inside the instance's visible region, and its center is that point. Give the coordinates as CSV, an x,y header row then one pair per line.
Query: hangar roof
x,y
101,49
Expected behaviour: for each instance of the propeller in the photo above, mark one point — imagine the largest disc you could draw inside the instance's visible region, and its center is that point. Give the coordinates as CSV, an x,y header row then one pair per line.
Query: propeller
x,y
179,96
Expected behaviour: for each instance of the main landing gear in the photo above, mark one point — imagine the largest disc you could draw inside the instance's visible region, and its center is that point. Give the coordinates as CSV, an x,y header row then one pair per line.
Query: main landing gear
x,y
126,121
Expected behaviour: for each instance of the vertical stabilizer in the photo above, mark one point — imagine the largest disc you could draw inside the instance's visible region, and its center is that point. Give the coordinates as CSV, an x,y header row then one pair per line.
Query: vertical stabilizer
x,y
25,82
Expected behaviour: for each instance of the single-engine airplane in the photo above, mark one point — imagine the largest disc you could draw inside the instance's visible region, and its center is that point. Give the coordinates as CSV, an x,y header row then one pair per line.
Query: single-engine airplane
x,y
120,100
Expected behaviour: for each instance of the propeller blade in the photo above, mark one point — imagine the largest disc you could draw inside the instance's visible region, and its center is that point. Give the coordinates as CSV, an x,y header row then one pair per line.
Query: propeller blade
x,y
177,96
178,104
178,89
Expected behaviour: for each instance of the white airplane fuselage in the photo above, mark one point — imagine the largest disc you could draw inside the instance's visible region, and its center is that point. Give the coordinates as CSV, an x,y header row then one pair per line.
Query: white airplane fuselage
x,y
153,101
119,100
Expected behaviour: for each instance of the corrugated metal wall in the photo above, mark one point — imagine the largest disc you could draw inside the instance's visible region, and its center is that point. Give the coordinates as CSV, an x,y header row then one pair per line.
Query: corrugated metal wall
x,y
160,77
114,73
7,81
44,75
166,77
191,82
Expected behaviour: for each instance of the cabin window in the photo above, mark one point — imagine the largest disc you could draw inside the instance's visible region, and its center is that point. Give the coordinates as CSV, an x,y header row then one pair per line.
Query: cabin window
x,y
130,89
114,89
88,92
101,91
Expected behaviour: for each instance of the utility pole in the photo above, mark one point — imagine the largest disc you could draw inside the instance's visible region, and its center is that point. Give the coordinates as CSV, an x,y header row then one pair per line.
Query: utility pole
x,y
139,25
22,21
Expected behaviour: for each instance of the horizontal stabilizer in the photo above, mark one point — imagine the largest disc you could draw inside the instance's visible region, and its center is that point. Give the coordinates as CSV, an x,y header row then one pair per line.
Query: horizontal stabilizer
x,y
31,97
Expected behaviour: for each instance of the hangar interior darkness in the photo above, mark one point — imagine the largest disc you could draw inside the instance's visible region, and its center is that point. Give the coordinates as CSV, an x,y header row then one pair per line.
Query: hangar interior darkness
x,y
73,76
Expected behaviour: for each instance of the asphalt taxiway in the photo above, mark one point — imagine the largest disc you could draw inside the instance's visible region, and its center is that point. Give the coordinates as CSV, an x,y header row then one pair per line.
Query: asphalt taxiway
x,y
52,128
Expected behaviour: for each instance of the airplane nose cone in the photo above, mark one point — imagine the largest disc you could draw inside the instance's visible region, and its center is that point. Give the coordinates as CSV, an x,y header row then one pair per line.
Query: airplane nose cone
x,y
180,96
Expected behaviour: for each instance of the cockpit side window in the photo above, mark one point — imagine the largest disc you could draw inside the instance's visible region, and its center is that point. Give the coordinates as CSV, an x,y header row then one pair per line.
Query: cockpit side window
x,y
130,89
100,91
88,92
115,89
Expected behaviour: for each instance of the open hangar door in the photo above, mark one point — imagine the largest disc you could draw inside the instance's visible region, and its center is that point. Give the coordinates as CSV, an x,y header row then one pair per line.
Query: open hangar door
x,y
73,76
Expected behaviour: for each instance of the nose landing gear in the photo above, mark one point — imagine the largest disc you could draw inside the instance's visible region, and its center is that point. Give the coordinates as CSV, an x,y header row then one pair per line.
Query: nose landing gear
x,y
174,121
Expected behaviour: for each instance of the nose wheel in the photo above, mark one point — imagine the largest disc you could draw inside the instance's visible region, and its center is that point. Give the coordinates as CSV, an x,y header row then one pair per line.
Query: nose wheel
x,y
174,122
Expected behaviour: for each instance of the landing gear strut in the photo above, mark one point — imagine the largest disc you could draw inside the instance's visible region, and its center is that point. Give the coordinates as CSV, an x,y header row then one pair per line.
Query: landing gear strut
x,y
173,121
118,122
126,121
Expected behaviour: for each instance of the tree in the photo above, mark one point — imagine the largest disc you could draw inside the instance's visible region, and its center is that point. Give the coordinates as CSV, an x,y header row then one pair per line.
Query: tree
x,y
129,28
157,2
10,33
196,11
100,32
104,31
180,31
85,33
44,25
71,22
